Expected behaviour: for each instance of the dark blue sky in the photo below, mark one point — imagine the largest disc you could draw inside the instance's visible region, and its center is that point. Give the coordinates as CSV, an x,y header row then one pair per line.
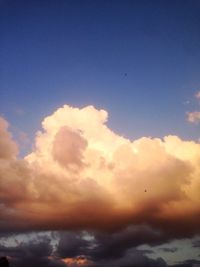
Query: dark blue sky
x,y
139,60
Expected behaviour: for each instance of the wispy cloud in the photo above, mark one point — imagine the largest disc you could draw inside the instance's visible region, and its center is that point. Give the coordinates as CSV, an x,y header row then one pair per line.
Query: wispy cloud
x,y
197,95
193,117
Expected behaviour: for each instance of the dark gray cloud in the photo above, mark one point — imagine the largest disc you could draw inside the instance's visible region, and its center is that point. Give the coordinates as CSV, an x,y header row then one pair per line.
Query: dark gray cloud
x,y
134,258
112,249
115,245
31,254
196,243
188,263
96,249
72,244
39,262
106,245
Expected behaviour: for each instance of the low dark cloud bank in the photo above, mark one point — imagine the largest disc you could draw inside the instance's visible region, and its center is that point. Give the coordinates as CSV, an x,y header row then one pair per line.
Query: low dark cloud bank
x,y
73,250
84,249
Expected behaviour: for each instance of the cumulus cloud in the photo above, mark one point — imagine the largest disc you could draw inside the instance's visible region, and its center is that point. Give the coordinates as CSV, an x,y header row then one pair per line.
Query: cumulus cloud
x,y
8,148
67,148
82,175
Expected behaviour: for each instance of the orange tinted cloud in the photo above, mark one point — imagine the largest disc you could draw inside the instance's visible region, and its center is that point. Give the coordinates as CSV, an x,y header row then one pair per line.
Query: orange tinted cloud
x,y
8,148
79,261
83,175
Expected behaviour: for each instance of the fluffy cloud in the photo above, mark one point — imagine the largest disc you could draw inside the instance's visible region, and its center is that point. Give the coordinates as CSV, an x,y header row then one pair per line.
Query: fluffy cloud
x,y
8,148
67,148
82,175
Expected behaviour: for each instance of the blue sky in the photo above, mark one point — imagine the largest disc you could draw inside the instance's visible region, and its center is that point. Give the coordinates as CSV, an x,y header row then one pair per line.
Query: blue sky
x,y
140,60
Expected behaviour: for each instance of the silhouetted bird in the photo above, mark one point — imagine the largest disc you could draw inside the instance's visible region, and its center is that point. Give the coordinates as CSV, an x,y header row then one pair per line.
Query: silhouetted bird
x,y
4,262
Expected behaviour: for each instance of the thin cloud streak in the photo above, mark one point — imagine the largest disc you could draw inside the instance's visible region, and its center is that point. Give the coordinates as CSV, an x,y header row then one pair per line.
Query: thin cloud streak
x,y
194,116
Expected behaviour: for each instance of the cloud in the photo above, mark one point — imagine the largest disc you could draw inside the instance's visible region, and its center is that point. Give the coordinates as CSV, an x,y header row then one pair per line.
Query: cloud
x,y
133,258
97,246
198,95
72,244
188,263
196,243
34,253
82,175
8,148
68,147
115,245
171,250
193,117
40,252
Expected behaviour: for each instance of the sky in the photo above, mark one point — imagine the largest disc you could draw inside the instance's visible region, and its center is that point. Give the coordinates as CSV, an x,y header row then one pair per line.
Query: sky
x,y
99,133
